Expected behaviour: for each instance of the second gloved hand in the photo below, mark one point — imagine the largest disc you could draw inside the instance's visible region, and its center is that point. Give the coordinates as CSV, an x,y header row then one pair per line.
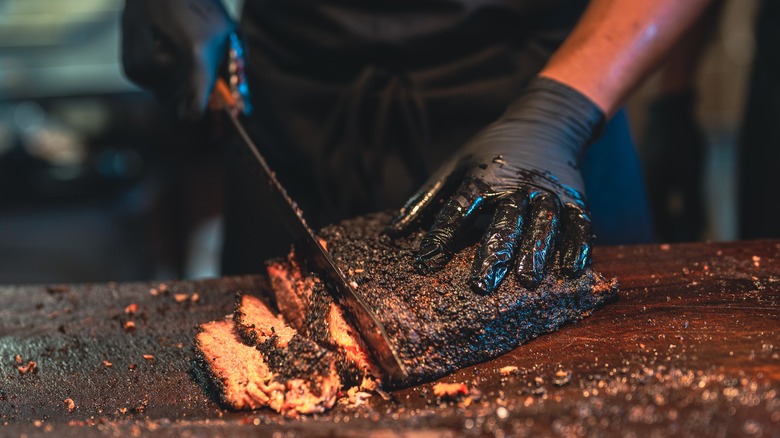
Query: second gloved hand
x,y
524,167
174,48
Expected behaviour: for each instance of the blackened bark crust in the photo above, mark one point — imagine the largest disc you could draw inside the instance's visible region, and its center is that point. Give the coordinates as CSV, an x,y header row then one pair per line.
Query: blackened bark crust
x,y
435,322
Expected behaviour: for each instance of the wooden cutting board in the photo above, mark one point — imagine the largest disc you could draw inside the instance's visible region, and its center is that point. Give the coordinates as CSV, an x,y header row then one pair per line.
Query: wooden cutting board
x,y
691,347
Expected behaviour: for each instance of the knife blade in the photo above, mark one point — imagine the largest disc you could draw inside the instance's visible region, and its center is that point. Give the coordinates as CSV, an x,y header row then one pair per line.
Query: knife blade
x,y
364,320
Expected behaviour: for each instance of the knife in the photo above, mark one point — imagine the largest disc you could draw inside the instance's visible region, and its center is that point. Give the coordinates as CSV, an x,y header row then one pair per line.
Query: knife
x,y
364,320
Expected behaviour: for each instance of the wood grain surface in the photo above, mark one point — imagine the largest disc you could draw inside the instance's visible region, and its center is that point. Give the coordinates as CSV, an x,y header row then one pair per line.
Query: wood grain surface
x,y
690,348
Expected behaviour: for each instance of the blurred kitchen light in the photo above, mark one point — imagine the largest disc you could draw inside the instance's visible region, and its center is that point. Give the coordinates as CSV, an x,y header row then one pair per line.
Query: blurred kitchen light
x,y
56,145
47,139
36,23
86,115
28,116
739,46
58,48
63,47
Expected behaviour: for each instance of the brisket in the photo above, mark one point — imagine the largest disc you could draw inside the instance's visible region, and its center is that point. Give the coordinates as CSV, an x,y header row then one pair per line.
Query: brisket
x,y
435,323
257,361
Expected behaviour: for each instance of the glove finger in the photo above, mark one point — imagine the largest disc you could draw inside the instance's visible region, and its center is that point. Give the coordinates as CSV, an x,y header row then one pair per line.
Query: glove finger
x,y
437,246
575,242
150,59
146,59
497,249
538,241
419,203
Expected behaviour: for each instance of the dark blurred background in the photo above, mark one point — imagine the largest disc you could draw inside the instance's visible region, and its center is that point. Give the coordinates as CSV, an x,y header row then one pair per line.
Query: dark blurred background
x,y
95,185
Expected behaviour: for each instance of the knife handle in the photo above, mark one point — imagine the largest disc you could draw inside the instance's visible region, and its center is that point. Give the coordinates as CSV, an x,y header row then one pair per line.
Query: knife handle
x,y
232,94
222,98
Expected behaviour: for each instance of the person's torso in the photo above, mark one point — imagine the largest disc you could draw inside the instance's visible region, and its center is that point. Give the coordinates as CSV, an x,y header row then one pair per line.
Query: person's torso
x,y
357,101
403,33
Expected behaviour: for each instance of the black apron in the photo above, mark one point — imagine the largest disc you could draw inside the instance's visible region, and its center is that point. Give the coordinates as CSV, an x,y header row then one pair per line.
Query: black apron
x,y
759,147
357,102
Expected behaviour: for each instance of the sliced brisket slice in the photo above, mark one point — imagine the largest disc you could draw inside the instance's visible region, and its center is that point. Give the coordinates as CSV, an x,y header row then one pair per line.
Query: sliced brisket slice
x,y
329,343
326,324
257,324
302,298
257,360
287,275
436,323
239,371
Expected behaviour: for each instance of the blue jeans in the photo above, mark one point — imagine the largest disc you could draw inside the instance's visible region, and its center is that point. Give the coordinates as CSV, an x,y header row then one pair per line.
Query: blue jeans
x,y
615,187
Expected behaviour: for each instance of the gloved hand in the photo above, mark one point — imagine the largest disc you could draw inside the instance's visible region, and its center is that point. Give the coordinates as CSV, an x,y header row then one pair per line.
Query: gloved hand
x,y
174,48
524,166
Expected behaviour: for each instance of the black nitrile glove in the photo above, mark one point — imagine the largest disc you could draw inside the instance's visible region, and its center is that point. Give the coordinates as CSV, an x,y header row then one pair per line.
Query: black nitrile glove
x,y
174,48
673,156
524,166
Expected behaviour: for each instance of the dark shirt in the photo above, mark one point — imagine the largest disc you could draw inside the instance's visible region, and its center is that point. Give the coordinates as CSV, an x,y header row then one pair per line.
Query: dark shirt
x,y
338,36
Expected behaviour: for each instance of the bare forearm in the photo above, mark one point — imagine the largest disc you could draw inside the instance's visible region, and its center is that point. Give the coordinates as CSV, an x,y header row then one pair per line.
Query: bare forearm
x,y
617,43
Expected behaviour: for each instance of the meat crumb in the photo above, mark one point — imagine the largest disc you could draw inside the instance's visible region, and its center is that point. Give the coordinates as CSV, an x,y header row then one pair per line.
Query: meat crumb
x,y
57,289
450,390
561,378
141,408
131,309
31,367
70,404
154,292
195,297
129,326
370,384
665,247
132,367
180,298
508,370
356,397
148,356
107,364
18,359
163,288
756,261
324,243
